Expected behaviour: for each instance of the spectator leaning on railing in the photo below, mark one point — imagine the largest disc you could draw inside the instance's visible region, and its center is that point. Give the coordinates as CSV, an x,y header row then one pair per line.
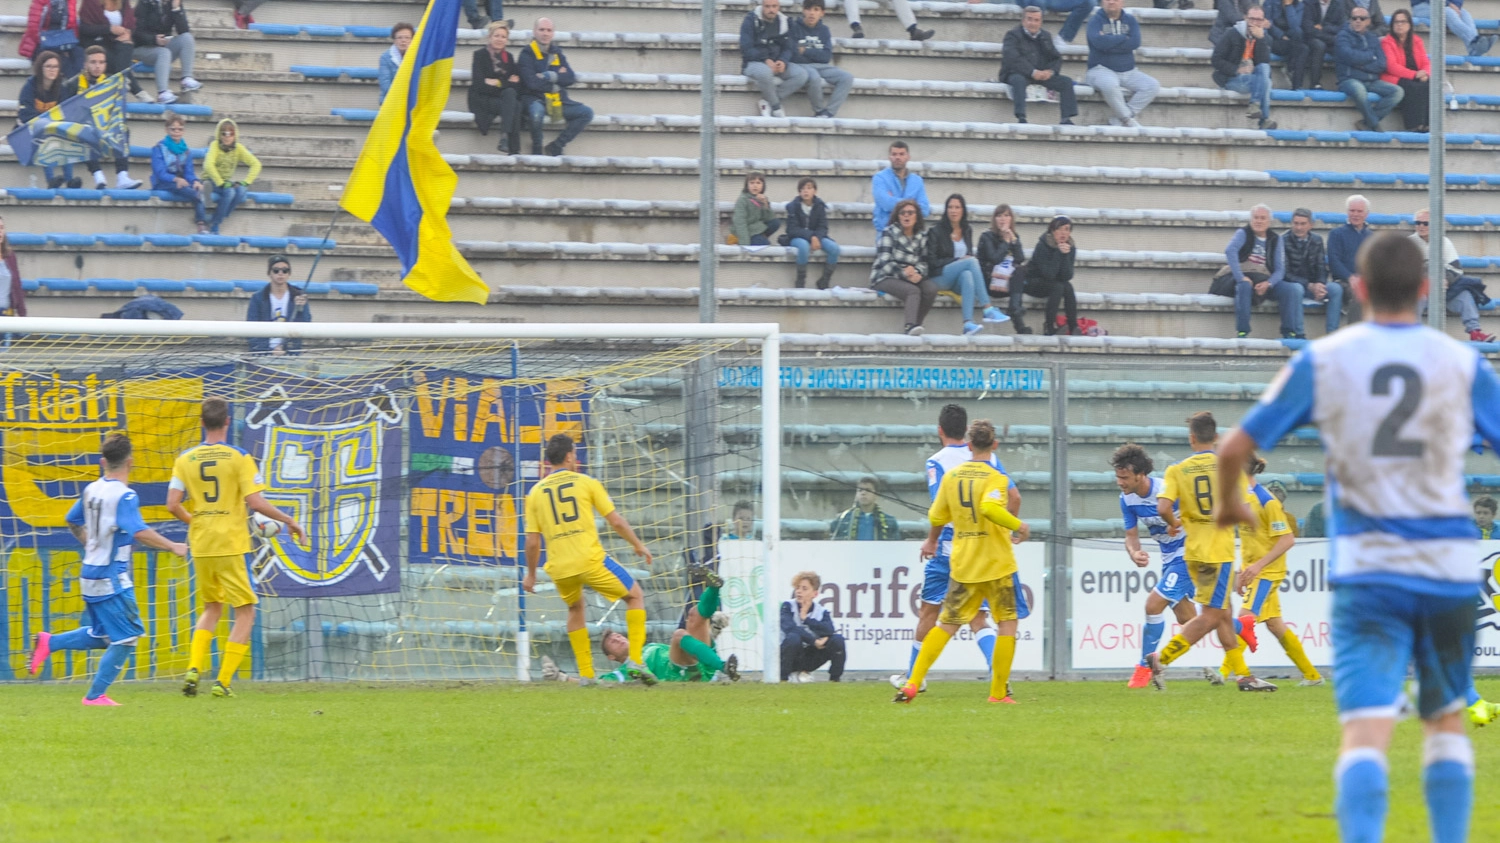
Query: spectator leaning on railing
x,y
278,301
1029,57
1306,267
40,92
495,88
807,232
1256,260
161,36
1465,293
390,60
1343,245
900,267
1358,61
766,57
1242,63
221,164
1114,36
895,183
547,75
812,50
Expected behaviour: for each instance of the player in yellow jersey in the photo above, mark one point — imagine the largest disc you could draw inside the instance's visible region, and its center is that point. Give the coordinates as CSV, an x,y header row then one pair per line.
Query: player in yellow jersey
x,y
561,508
212,483
983,566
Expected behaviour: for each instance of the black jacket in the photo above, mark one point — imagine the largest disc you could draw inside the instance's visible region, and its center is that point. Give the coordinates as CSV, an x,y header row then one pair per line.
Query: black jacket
x,y
817,624
1229,50
940,245
156,17
1048,265
260,311
992,250
1230,12
1022,53
1312,15
484,68
800,224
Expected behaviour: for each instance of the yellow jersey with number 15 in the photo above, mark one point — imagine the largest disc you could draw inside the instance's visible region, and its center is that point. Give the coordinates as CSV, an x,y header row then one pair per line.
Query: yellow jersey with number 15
x,y
562,507
981,548
215,480
1190,484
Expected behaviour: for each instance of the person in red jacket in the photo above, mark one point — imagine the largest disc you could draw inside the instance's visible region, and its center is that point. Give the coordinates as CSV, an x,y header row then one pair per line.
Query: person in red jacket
x,y
60,19
1406,65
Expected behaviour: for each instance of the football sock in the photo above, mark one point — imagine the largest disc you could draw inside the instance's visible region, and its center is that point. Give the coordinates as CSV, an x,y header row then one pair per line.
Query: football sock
x,y
1235,659
78,639
1174,650
582,652
1293,647
1239,628
1151,639
635,630
986,641
203,639
1005,654
233,655
932,647
916,648
1363,790
709,602
702,652
1471,696
1448,781
109,669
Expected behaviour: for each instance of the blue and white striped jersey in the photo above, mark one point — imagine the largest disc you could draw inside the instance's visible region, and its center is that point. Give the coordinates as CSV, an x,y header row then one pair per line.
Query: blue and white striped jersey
x,y
939,464
1141,511
110,515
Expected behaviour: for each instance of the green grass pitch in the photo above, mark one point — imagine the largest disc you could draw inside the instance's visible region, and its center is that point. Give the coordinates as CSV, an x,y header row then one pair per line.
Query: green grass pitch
x,y
1075,761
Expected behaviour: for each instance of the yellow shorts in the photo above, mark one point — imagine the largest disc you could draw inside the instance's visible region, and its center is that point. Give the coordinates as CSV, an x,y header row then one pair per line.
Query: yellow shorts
x,y
1263,599
608,579
224,579
1213,584
964,599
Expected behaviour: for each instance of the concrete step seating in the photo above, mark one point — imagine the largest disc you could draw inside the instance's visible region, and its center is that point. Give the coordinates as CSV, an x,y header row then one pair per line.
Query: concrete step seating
x,y
164,286
87,194
23,241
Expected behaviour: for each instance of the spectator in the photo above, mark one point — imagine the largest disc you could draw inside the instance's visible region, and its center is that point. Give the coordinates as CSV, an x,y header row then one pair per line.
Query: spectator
x,y
479,20
1049,275
864,521
1114,36
1230,12
1306,267
754,219
741,521
1257,263
1078,13
1242,63
1322,21
1484,516
172,169
390,60
12,294
546,74
495,88
1406,65
1000,251
41,91
1313,526
807,232
1343,245
109,25
94,66
1464,293
53,25
1359,61
813,51
900,267
1460,24
1290,42
1029,57
1377,19
242,10
162,35
221,164
808,637
953,267
766,57
278,301
895,183
903,12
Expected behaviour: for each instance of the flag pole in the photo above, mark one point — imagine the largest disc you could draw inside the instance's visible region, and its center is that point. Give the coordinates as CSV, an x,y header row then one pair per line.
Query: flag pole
x,y
322,245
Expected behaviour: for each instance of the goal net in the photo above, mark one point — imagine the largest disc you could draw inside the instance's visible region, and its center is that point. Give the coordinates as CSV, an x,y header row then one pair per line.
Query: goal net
x,y
406,451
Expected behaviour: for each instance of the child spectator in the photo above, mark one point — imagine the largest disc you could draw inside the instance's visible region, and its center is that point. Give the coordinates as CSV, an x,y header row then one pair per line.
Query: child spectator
x,y
1484,505
41,91
807,232
95,65
495,88
953,267
1049,274
809,639
12,295
172,169
390,60
110,24
225,155
812,48
754,219
161,35
53,25
1000,251
900,267
547,76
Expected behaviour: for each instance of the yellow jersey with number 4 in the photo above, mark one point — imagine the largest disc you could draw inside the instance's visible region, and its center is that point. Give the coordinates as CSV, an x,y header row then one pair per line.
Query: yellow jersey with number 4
x,y
214,481
562,507
1257,539
981,548
1190,484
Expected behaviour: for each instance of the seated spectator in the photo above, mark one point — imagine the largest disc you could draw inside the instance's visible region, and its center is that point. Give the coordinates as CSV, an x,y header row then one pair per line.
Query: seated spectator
x,y
807,232
94,67
12,294
812,50
1358,61
766,57
1114,36
895,183
52,25
1407,66
1377,18
953,267
172,169
242,10
1460,24
546,74
478,20
1049,275
865,521
1322,21
1313,526
110,25
808,636
41,91
1484,516
754,219
495,89
1291,43
390,60
1343,245
162,35
1230,12
1000,251
903,11
1257,264
741,522
1242,63
221,165
1029,57
1465,293
900,267
1306,267
278,301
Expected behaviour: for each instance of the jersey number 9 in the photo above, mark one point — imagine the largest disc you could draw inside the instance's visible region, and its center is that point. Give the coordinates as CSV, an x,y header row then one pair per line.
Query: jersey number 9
x,y
562,495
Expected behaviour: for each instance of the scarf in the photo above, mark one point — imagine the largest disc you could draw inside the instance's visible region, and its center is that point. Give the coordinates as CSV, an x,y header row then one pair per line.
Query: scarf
x,y
174,146
553,98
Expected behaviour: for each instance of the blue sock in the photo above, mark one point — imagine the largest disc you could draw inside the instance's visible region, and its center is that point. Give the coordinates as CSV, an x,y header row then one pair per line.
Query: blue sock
x,y
78,639
1448,781
1151,638
1239,628
916,647
1472,695
1363,790
109,669
986,641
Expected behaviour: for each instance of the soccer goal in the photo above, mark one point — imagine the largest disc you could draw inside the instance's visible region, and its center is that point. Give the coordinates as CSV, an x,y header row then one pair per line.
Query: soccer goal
x,y
406,450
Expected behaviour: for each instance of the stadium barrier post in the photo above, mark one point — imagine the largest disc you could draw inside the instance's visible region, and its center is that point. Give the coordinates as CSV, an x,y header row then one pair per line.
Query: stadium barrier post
x,y
708,169
1437,141
523,632
770,443
1060,541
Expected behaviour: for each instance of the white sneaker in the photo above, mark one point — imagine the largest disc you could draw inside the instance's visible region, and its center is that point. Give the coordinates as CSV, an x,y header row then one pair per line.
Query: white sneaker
x,y
777,112
765,109
144,96
1309,683
190,84
805,678
166,98
123,181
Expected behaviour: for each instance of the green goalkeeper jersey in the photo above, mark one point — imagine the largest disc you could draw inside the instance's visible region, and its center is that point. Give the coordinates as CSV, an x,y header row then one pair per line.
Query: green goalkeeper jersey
x,y
658,660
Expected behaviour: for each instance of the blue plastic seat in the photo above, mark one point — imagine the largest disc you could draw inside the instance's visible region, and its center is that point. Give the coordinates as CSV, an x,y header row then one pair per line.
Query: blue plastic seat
x,y
161,285
1460,139
263,198
1487,480
361,72
18,238
1484,61
1412,178
1411,137
175,241
145,108
80,194
1474,263
277,243
209,285
1287,135
311,244
1331,137
1454,60
122,241
1464,219
128,195
65,285
316,71
30,285
1460,178
283,29
369,31
1331,177
1330,217
1489,140
1326,96
76,240
1284,95
216,241
31,194
323,31
358,115
1309,478
251,286
1282,216
1385,219
1372,137
192,110
1290,175
112,285
1484,99
355,288
1369,177
318,288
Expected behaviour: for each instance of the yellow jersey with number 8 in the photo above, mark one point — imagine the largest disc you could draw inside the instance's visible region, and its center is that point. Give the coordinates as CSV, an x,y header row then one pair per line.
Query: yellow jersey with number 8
x,y
1190,484
215,480
562,507
981,548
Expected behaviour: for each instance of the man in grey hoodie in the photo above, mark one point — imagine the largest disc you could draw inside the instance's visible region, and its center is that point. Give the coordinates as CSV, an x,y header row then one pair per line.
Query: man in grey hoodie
x,y
766,49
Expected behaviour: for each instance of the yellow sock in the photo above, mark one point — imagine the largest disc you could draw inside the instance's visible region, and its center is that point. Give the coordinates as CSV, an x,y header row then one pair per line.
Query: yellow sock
x,y
1236,659
1224,667
932,647
198,650
635,630
233,655
1293,647
1174,650
582,652
1005,653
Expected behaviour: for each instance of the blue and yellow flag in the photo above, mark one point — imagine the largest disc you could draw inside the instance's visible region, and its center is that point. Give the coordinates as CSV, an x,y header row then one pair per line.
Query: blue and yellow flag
x,y
401,185
81,128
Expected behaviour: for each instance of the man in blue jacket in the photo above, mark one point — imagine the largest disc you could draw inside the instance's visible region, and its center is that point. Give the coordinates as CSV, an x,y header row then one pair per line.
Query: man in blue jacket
x,y
546,74
1343,246
1114,36
895,183
278,301
766,50
812,50
1358,61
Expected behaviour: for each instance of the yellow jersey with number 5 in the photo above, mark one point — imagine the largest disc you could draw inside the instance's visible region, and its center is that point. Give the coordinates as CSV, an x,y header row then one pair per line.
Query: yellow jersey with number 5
x,y
214,481
981,548
1190,484
562,507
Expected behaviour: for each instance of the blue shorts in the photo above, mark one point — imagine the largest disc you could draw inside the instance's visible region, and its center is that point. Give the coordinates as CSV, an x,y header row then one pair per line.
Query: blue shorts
x,y
1175,585
1378,630
935,586
115,618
